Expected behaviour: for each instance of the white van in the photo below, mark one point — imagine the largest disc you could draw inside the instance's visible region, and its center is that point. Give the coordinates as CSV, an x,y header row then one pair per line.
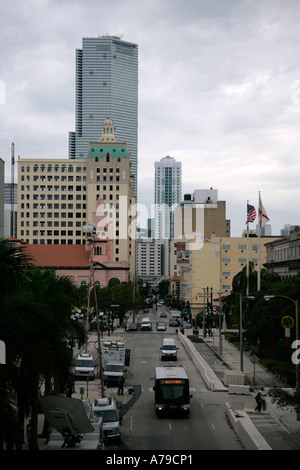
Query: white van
x,y
169,350
84,367
146,324
107,409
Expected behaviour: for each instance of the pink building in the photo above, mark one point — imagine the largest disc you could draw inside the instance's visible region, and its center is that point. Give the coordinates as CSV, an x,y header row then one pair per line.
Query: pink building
x,y
74,261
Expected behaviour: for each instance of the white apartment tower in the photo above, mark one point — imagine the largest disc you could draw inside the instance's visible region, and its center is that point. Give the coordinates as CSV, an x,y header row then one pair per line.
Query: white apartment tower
x,y
167,195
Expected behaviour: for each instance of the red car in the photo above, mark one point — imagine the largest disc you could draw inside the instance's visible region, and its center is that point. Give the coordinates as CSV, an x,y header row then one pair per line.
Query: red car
x,y
132,327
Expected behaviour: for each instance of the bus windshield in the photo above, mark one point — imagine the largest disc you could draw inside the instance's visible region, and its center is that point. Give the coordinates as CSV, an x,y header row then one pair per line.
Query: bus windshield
x,y
172,391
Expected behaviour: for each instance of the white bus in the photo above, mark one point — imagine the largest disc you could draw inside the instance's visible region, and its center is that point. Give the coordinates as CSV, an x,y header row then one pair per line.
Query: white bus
x,y
172,391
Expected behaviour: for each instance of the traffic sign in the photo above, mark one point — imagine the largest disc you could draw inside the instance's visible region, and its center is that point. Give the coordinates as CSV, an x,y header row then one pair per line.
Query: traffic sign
x,y
287,322
254,359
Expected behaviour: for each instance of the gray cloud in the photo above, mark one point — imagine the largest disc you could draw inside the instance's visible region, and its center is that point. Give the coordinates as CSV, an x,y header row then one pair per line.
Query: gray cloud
x,y
219,90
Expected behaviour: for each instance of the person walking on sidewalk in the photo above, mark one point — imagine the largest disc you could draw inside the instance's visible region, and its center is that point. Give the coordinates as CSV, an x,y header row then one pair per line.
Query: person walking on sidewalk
x,y
260,400
263,398
121,384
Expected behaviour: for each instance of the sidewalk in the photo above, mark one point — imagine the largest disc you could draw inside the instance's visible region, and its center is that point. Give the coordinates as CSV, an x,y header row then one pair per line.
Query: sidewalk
x,y
256,377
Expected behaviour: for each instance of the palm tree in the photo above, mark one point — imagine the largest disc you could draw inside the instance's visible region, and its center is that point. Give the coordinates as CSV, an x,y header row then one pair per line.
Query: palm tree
x,y
34,319
14,265
56,296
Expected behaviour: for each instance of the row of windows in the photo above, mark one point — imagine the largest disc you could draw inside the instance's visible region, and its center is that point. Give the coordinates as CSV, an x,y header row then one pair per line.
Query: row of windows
x,y
105,179
55,215
240,261
53,206
241,247
285,253
55,178
55,197
50,223
111,170
55,169
43,187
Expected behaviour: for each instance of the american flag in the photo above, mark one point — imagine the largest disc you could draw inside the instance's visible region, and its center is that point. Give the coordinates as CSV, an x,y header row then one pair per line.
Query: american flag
x,y
251,213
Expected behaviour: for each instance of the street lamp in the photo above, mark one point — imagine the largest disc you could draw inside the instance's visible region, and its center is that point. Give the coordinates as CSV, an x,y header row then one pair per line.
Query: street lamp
x,y
220,325
90,231
251,297
295,302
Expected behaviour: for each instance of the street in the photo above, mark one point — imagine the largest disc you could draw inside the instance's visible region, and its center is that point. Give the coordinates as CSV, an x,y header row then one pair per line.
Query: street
x,y
205,429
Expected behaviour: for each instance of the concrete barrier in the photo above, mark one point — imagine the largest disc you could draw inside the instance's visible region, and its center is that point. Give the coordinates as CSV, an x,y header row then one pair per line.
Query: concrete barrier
x,y
208,375
239,389
234,377
245,429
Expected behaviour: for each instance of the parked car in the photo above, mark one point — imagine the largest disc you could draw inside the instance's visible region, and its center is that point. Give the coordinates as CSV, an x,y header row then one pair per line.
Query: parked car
x,y
163,315
132,327
186,326
161,326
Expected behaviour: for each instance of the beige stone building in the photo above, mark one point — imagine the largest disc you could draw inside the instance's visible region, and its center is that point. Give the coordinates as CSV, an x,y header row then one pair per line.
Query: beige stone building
x,y
200,213
57,197
215,265
283,256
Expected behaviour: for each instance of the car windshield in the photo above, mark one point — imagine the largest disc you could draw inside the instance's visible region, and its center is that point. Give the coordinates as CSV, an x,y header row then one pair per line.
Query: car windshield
x,y
169,347
108,416
84,363
114,367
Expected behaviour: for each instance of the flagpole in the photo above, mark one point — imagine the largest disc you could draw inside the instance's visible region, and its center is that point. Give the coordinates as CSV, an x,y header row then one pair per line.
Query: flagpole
x,y
259,248
247,293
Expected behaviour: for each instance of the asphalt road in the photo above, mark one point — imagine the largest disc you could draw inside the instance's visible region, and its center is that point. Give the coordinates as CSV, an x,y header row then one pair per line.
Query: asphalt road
x,y
206,428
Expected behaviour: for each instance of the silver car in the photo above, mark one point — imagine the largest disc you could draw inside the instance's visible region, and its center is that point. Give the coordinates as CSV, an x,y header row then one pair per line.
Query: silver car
x,y
160,326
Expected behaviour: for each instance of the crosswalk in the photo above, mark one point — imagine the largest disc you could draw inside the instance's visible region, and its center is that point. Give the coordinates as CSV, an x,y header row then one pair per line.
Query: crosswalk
x,y
273,432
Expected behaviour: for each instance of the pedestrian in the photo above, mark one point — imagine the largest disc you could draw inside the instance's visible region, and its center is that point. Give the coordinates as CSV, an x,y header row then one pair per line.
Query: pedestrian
x,y
263,398
120,383
28,432
260,400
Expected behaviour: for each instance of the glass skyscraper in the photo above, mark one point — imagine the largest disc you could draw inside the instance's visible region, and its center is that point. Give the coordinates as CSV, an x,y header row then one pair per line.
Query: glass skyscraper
x,y
106,87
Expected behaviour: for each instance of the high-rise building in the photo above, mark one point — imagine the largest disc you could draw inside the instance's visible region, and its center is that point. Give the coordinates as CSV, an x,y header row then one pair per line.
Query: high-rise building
x,y
57,197
10,209
167,195
106,86
201,213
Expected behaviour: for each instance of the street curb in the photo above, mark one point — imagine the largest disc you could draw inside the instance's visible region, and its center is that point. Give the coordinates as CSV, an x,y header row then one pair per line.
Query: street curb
x,y
246,430
208,375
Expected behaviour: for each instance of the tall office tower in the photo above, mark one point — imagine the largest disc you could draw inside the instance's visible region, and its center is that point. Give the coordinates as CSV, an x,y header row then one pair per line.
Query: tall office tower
x,y
57,197
167,195
106,86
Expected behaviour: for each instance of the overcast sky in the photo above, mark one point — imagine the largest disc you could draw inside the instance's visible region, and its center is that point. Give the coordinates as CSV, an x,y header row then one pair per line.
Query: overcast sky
x,y
219,90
